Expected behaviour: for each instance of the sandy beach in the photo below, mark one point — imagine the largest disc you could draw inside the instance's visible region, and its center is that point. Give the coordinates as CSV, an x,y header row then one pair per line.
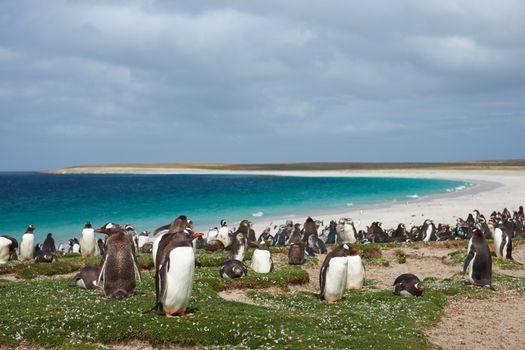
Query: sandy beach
x,y
492,190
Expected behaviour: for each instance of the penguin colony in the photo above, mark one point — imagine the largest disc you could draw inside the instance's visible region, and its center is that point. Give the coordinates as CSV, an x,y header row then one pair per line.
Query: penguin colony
x,y
173,248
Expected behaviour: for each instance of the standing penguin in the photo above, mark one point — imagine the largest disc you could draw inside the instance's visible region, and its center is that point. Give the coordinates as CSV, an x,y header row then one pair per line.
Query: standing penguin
x,y
356,270
296,253
120,268
428,229
49,244
296,235
262,259
238,247
224,234
87,277
334,274
502,242
8,247
87,240
27,245
408,284
174,274
400,234
179,224
233,269
478,263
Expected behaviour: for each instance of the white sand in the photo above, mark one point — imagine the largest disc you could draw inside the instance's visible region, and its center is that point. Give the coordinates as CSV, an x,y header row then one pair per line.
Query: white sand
x,y
492,190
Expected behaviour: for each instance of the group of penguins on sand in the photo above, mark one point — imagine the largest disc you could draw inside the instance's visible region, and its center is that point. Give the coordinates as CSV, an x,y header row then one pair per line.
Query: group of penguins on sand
x,y
173,248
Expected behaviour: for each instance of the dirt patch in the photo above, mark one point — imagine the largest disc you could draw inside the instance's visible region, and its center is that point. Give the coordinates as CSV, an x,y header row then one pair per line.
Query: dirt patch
x,y
495,323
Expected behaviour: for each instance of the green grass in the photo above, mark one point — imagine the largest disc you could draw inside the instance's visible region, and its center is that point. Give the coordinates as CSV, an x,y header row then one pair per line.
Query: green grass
x,y
458,256
507,264
400,256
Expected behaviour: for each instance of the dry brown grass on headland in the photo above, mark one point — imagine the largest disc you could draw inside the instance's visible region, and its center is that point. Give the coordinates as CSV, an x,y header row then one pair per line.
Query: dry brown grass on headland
x,y
473,165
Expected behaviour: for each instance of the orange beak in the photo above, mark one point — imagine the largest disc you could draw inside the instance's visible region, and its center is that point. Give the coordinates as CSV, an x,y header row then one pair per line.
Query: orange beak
x,y
99,230
198,235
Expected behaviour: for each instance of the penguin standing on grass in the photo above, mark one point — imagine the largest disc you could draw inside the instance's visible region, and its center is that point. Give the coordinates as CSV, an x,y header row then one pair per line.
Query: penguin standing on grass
x,y
262,259
478,263
296,253
88,240
27,245
334,273
8,247
502,242
356,270
174,274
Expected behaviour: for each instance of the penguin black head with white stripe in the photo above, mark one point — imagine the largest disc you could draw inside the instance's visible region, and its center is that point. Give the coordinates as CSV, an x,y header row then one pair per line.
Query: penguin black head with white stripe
x,y
408,284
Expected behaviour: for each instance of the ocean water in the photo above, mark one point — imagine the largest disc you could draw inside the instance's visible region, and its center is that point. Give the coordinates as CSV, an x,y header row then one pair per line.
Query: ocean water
x,y
62,203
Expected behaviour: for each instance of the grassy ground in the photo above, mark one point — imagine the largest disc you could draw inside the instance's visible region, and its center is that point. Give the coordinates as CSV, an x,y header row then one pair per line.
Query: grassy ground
x,y
54,313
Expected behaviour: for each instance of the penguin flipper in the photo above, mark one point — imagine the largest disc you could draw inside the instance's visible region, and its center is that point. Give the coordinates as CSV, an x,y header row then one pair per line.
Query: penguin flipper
x,y
502,245
102,273
469,257
136,268
509,250
322,279
162,279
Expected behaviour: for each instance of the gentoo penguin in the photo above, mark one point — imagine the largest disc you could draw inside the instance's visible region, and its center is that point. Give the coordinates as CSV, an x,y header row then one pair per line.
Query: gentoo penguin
x,y
428,229
282,235
130,232
87,277
174,274
334,233
120,269
262,258
87,240
334,274
73,246
502,242
233,269
213,234
296,253
375,233
179,224
399,234
238,247
295,237
310,228
27,245
408,284
49,244
224,234
478,263
356,270
349,231
8,247
142,239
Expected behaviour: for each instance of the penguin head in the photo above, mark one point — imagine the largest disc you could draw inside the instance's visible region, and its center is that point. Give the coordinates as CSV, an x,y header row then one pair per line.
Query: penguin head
x,y
49,235
30,228
237,271
223,222
129,228
108,228
420,288
88,225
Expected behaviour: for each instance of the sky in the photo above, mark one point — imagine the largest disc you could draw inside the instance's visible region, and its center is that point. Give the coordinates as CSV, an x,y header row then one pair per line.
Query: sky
x,y
89,82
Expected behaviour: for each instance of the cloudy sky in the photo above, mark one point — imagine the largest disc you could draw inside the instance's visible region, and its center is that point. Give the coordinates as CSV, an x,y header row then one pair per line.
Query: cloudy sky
x,y
85,82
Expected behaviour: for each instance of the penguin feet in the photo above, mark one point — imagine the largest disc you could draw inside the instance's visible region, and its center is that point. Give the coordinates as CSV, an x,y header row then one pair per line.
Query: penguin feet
x,y
180,313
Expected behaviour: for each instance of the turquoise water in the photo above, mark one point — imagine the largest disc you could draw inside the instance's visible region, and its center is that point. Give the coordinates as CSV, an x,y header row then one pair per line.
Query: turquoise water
x,y
62,203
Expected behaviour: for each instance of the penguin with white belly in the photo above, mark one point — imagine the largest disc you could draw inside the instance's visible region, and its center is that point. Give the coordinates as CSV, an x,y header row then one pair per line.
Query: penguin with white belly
x,y
8,247
428,229
356,270
233,269
174,275
334,273
223,234
262,258
88,240
502,242
408,284
238,247
87,277
179,224
478,263
27,245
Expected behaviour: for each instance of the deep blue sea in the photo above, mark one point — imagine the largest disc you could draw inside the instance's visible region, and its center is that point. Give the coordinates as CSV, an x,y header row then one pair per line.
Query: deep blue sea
x,y
62,203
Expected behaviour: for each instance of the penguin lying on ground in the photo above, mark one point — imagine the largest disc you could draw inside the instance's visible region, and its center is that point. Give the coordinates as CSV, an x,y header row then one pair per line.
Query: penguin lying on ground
x,y
408,284
334,273
87,277
233,269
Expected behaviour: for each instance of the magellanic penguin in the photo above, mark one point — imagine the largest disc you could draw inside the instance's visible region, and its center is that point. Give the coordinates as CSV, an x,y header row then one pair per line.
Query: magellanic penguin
x,y
502,242
233,269
296,253
27,245
8,247
174,274
408,284
262,258
224,234
120,268
87,277
88,240
334,274
478,263
356,270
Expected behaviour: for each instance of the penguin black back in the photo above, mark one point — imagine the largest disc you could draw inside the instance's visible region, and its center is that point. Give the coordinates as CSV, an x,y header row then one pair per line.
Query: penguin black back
x,y
478,262
49,244
408,284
